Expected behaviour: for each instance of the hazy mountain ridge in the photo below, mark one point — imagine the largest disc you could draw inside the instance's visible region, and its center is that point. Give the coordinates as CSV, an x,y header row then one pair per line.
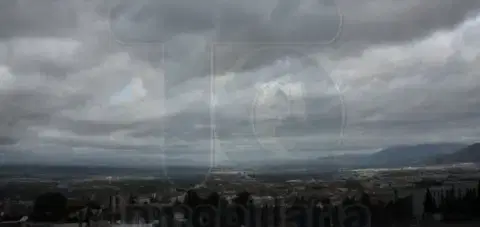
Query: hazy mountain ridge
x,y
408,155
395,156
470,153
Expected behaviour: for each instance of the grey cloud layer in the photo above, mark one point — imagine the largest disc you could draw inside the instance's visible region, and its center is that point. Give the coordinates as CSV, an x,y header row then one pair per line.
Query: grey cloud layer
x,y
406,69
364,23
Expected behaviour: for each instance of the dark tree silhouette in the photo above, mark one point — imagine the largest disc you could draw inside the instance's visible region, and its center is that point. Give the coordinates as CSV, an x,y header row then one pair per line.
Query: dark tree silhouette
x,y
192,199
49,207
365,200
132,199
243,198
213,199
478,189
429,203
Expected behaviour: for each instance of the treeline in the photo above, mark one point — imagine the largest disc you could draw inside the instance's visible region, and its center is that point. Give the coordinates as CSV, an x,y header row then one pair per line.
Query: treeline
x,y
454,204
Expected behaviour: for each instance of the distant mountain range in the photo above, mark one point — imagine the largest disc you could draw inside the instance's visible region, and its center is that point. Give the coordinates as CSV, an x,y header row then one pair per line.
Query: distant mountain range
x,y
391,157
412,155
395,156
403,155
469,153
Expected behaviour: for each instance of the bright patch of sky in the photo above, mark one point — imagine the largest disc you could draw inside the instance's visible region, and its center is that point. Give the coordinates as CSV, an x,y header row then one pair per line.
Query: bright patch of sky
x,y
130,93
6,78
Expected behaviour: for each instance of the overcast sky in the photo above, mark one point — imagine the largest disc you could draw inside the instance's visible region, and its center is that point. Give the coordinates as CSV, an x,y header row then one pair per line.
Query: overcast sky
x,y
129,82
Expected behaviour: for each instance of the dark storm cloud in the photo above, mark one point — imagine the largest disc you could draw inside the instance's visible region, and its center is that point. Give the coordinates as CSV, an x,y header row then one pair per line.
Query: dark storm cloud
x,y
373,20
7,141
85,127
36,18
365,23
25,108
385,22
414,18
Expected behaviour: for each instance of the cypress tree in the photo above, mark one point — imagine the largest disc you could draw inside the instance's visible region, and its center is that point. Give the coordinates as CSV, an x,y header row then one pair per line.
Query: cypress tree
x,y
395,193
428,203
478,189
